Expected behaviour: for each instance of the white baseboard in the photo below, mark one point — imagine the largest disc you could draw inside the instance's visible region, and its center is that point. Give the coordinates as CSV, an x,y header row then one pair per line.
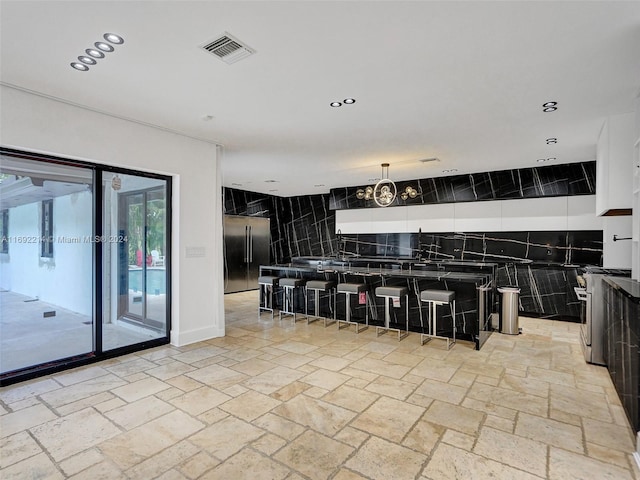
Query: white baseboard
x,y
180,339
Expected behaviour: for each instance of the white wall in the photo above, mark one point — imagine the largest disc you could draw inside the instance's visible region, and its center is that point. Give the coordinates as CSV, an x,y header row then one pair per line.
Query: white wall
x,y
616,254
530,214
36,123
66,279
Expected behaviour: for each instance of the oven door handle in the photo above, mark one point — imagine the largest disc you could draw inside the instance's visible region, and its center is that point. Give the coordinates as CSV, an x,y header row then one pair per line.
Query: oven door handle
x,y
588,319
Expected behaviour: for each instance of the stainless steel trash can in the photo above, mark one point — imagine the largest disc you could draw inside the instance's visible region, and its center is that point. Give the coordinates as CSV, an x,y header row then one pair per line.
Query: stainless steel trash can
x,y
509,310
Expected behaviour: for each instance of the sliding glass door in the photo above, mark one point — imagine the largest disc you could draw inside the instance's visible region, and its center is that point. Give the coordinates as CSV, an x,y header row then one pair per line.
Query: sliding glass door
x,y
136,268
84,262
46,264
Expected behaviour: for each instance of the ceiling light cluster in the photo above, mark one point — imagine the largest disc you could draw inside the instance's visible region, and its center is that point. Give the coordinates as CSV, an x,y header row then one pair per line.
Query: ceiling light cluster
x,y
450,170
346,101
551,141
549,106
97,52
542,160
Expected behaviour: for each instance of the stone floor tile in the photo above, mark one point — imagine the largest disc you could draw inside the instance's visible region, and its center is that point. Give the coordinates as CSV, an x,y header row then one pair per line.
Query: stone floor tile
x,y
565,465
316,414
513,450
218,376
351,436
332,363
198,354
172,474
88,388
392,387
184,383
212,416
448,462
169,394
170,370
250,405
81,461
166,460
608,435
380,367
273,380
460,440
115,402
419,400
350,397
401,358
22,391
199,401
388,418
314,455
131,367
442,391
345,474
84,403
423,436
136,377
490,408
38,467
571,400
565,417
24,419
608,455
248,464
291,360
435,370
459,418
279,426
269,444
295,347
552,376
196,465
78,375
379,459
550,431
22,404
254,366
140,389
104,470
225,438
463,379
134,414
500,423
132,447
326,379
18,447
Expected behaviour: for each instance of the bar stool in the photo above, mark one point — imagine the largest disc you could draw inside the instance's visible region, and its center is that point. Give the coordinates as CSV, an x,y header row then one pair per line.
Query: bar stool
x,y
435,298
289,286
317,286
393,293
267,285
349,289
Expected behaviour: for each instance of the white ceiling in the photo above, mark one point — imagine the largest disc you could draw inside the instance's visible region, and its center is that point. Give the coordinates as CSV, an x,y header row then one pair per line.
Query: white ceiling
x,y
461,81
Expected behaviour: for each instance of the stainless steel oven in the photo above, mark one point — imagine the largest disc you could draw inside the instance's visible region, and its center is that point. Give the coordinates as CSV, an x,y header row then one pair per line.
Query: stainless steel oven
x,y
592,328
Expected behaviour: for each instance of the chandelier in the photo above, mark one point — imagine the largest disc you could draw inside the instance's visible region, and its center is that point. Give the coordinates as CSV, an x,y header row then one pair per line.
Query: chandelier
x,y
385,192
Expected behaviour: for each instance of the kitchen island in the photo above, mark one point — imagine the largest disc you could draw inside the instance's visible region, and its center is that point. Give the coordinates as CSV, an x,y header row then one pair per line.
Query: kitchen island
x,y
473,283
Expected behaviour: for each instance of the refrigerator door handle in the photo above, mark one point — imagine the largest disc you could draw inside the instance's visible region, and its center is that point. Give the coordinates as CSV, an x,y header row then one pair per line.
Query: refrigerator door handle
x,y
246,244
250,244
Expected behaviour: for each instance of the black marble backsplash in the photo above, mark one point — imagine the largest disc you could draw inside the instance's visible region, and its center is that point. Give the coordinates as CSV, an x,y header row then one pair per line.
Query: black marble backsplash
x,y
548,181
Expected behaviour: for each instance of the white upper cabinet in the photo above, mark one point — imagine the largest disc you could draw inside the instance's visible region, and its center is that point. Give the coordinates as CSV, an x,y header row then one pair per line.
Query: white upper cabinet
x,y
614,158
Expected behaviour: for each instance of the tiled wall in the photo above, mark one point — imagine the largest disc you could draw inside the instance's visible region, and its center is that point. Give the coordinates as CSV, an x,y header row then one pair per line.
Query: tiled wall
x,y
536,182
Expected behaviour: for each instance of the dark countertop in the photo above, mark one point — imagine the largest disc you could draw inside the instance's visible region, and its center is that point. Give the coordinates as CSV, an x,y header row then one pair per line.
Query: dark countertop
x,y
478,278
628,287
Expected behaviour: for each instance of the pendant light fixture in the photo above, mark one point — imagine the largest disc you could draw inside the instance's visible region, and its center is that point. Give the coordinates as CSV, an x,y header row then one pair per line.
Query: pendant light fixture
x,y
385,191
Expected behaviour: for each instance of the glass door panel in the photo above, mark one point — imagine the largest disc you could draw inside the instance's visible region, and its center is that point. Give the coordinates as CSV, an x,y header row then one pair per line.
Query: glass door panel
x,y
46,263
135,268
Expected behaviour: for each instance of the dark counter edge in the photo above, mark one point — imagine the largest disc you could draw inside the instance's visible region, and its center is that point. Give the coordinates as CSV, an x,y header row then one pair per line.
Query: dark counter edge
x,y
628,287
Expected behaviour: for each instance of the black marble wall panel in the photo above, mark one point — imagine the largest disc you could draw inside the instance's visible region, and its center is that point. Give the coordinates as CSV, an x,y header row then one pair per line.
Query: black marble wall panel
x,y
547,181
300,226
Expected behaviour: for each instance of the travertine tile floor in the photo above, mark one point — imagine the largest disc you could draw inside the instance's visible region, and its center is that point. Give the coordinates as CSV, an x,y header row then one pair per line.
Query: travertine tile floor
x,y
276,401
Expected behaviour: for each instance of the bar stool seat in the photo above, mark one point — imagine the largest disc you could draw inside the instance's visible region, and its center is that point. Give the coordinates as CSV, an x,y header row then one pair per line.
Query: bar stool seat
x,y
267,284
352,289
392,293
317,286
289,286
434,298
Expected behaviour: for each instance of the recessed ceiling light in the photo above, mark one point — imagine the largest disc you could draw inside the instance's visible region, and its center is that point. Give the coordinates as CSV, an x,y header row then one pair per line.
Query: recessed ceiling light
x,y
113,38
275,190
236,184
87,60
270,181
335,104
450,170
349,101
551,141
105,47
549,106
79,66
208,118
92,52
319,185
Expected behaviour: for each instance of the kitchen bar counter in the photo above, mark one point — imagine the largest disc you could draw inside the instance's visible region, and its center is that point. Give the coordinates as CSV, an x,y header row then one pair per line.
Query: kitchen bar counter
x,y
474,291
626,286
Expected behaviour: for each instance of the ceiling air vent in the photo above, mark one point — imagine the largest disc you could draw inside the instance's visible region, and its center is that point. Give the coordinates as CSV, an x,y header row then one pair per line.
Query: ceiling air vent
x,y
228,48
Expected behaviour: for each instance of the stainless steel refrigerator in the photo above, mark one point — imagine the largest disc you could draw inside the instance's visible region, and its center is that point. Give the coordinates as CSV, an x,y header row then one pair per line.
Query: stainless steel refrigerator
x,y
246,247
